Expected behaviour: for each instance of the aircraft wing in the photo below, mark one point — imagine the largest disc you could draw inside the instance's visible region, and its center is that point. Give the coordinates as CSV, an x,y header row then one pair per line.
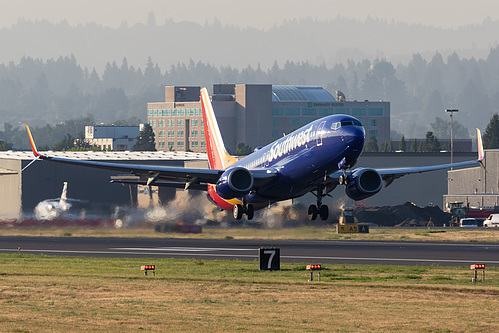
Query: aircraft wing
x,y
390,174
158,175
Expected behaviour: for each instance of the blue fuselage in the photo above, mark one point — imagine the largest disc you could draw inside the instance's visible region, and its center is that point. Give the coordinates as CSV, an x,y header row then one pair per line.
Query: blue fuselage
x,y
305,157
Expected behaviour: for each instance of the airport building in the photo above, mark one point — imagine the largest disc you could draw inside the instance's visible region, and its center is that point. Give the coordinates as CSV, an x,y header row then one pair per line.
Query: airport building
x,y
20,191
476,187
255,114
112,138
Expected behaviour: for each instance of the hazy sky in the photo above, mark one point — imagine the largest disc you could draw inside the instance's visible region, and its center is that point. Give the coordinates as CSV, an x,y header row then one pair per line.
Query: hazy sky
x,y
255,13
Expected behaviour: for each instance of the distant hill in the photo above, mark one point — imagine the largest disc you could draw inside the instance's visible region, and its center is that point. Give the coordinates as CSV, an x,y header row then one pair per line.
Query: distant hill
x,y
169,43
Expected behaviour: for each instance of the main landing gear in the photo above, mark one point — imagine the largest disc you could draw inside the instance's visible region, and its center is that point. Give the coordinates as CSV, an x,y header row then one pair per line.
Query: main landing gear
x,y
247,209
319,209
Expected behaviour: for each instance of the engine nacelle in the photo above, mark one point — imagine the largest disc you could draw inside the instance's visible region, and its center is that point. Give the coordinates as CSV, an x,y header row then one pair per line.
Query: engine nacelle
x,y
234,183
363,184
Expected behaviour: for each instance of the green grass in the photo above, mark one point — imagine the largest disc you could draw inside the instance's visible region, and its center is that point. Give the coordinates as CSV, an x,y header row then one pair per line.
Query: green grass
x,y
41,293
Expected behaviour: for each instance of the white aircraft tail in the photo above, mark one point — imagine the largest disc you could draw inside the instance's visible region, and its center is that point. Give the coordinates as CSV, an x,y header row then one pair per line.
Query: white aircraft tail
x,y
64,197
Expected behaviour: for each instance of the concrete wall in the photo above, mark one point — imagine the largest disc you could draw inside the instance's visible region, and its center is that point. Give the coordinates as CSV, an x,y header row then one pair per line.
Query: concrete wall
x,y
10,188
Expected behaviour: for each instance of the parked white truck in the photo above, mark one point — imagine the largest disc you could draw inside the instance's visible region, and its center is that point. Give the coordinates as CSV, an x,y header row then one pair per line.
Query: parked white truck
x,y
492,221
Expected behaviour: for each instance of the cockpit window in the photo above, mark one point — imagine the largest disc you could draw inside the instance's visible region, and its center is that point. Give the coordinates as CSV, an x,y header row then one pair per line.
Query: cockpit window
x,y
339,124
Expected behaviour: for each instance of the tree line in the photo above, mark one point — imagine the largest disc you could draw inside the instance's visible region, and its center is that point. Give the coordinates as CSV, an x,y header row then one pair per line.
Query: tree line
x,y
53,94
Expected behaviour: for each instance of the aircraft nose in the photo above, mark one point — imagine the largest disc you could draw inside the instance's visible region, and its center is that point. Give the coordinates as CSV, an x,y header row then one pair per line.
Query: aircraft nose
x,y
354,136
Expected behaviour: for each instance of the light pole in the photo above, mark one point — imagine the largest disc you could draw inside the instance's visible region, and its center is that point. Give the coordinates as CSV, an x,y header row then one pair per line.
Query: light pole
x,y
451,111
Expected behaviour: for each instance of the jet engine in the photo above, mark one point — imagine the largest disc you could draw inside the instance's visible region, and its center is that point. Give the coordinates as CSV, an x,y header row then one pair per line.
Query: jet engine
x,y
363,184
234,183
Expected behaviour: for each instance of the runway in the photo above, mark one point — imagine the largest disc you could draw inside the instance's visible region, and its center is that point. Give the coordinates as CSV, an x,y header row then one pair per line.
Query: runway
x,y
344,252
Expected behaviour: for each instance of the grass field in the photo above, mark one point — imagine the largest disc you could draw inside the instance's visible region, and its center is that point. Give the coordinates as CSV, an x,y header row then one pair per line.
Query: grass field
x,y
75,294
321,233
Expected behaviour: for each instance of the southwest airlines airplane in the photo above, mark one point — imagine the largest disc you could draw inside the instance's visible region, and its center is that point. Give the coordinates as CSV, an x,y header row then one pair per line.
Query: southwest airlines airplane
x,y
315,158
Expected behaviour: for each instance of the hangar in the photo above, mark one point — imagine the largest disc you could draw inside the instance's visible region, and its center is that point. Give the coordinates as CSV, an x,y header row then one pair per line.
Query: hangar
x,y
20,191
476,187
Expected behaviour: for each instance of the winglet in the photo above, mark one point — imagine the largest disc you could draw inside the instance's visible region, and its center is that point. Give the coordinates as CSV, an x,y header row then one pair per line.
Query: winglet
x,y
32,142
481,155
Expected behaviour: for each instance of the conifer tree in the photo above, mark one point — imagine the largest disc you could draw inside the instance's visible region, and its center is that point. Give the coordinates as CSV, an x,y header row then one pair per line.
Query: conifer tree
x,y
491,135
146,140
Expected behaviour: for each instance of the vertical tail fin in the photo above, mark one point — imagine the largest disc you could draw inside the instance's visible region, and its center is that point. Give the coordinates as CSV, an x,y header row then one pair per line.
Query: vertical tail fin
x,y
64,197
218,157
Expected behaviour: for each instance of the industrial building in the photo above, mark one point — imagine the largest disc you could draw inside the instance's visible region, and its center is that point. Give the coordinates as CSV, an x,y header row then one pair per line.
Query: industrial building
x,y
112,138
476,187
20,191
255,114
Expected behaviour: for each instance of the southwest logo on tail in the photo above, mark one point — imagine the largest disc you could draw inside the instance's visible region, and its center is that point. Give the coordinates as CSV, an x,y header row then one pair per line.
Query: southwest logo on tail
x,y
313,159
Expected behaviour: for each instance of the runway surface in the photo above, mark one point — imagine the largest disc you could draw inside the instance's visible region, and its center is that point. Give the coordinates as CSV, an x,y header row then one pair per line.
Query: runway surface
x,y
345,252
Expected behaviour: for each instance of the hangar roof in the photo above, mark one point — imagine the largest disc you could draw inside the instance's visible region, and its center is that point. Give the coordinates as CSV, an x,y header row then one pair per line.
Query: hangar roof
x,y
112,155
301,94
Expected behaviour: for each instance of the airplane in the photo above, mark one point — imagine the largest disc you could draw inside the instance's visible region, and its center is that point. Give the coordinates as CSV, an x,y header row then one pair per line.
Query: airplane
x,y
53,208
315,158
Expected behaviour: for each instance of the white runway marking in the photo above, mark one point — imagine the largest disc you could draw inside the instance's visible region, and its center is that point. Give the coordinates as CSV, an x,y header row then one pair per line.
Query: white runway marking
x,y
181,249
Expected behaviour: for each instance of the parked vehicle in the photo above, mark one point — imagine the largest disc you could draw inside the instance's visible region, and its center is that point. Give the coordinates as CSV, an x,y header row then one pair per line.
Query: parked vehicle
x,y
492,221
468,223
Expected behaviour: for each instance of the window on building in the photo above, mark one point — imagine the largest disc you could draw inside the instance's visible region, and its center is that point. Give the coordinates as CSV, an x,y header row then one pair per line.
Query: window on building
x,y
358,112
195,144
180,134
152,123
277,112
373,122
174,112
306,121
171,144
342,111
275,133
180,123
194,122
180,144
198,112
149,113
168,113
203,144
292,112
154,113
194,134
275,122
171,134
373,133
325,112
161,144
295,122
308,112
376,112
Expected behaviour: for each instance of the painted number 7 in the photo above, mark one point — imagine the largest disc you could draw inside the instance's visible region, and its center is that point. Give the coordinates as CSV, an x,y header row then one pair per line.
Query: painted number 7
x,y
272,254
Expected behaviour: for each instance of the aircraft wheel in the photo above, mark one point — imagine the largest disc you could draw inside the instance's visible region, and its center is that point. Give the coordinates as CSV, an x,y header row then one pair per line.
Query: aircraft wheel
x,y
341,180
237,212
346,180
250,212
312,212
324,212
